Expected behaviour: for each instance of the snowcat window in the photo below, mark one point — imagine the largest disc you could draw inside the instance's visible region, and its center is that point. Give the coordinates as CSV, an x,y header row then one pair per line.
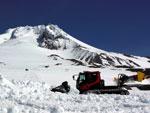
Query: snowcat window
x,y
82,77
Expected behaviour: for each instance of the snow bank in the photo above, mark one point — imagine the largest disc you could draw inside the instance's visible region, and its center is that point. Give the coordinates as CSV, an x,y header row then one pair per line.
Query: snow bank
x,y
36,97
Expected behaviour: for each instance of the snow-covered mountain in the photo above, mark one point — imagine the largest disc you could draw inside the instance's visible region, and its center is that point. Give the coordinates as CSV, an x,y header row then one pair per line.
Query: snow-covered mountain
x,y
35,59
72,50
35,53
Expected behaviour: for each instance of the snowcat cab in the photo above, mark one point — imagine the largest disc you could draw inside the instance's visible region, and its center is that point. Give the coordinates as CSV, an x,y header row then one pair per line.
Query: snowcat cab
x,y
89,80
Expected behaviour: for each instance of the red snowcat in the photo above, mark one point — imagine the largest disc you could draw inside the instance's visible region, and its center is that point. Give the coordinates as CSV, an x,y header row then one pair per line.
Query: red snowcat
x,y
91,82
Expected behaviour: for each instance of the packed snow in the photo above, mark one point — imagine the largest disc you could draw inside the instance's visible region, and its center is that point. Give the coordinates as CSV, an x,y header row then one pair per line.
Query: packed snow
x,y
35,59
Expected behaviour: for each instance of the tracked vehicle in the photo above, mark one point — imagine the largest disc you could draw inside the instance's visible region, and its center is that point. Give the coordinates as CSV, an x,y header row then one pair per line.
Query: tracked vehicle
x,y
91,82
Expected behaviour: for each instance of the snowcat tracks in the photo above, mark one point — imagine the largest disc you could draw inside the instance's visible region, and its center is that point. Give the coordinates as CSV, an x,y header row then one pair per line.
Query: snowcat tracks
x,y
144,87
139,86
107,91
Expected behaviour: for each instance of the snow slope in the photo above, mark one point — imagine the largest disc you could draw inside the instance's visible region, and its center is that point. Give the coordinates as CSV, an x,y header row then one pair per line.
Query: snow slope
x,y
34,59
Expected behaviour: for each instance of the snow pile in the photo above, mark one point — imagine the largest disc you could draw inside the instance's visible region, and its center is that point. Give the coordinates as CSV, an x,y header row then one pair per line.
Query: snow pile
x,y
5,82
26,97
36,97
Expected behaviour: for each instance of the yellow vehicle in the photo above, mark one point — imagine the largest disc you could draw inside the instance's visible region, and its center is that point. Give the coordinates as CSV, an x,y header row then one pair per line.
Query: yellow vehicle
x,y
122,78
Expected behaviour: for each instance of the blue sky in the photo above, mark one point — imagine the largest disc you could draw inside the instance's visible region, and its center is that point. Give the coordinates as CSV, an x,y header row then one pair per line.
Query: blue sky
x,y
113,25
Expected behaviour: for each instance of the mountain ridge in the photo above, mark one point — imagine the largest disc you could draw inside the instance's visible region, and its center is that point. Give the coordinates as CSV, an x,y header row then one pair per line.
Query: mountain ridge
x,y
53,38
